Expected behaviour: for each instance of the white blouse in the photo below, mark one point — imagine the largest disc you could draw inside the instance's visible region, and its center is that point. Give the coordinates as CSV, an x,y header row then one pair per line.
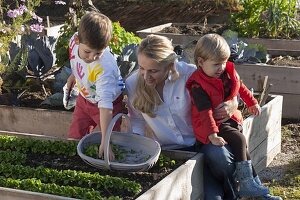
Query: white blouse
x,y
172,125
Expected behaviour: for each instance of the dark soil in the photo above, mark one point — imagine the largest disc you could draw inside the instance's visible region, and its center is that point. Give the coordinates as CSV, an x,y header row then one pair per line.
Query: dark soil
x,y
146,179
195,29
285,61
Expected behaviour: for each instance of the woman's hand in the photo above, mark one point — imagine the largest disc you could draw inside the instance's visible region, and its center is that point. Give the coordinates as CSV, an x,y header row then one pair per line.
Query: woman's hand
x,y
255,110
225,110
216,140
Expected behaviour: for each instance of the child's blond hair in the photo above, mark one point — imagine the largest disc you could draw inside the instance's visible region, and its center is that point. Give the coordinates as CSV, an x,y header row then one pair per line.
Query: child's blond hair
x,y
95,30
213,47
159,49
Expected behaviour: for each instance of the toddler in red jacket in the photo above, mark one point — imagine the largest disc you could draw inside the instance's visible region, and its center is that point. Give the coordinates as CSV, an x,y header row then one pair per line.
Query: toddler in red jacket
x,y
216,81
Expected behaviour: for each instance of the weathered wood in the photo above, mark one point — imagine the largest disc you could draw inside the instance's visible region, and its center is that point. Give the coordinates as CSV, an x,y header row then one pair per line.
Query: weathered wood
x,y
184,183
263,91
35,121
267,159
263,132
291,106
285,81
274,46
258,128
176,38
13,194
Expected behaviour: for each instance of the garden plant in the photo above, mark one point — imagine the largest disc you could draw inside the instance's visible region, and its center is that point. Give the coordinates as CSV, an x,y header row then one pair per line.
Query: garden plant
x,y
272,19
53,167
267,19
21,25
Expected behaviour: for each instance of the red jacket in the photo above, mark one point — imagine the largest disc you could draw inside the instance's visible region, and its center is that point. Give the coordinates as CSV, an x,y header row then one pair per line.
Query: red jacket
x,y
207,93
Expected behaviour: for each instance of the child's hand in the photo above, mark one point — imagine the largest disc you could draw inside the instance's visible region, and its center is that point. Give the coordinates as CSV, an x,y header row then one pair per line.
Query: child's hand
x,y
216,140
69,98
101,152
255,110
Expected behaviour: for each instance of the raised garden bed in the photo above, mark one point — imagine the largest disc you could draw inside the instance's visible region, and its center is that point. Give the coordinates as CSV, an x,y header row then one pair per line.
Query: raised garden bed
x,y
55,124
263,131
185,33
35,121
285,80
52,167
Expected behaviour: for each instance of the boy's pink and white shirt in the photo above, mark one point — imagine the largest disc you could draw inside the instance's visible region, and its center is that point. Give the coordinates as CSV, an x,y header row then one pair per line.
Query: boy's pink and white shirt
x,y
97,82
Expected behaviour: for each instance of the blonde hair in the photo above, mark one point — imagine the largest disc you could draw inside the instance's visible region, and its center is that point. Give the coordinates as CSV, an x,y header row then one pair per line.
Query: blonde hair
x,y
159,49
213,47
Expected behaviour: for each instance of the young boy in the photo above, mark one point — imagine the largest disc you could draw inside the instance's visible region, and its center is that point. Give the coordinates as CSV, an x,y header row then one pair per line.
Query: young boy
x,y
217,81
97,78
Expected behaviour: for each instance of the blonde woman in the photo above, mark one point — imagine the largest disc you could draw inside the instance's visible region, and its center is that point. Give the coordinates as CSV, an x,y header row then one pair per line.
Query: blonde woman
x,y
159,101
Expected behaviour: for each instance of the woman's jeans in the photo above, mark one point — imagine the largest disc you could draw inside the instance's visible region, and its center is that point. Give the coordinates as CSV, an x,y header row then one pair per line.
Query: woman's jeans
x,y
218,172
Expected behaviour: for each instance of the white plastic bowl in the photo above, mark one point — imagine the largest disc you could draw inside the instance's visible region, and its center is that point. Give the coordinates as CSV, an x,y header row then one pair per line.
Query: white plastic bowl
x,y
130,140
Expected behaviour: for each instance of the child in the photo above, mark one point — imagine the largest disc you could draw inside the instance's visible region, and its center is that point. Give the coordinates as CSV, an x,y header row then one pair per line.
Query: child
x,y
214,82
97,78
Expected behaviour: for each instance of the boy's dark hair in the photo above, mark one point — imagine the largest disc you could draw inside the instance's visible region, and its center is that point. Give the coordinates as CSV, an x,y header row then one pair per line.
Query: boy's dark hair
x,y
95,30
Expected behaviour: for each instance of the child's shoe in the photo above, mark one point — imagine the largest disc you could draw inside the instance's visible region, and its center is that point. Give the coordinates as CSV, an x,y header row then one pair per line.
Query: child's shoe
x,y
266,196
247,185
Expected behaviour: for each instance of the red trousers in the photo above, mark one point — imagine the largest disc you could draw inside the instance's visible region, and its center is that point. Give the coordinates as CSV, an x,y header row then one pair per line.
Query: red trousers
x,y
86,117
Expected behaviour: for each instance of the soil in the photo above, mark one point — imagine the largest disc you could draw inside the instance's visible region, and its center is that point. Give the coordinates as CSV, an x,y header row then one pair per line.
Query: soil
x,y
195,29
146,179
290,151
285,61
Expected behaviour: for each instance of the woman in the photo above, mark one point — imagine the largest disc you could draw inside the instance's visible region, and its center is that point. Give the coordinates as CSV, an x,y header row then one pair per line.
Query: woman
x,y
158,99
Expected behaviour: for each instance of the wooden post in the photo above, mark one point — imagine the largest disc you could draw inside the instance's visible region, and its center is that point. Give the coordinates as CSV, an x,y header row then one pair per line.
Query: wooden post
x,y
263,91
48,21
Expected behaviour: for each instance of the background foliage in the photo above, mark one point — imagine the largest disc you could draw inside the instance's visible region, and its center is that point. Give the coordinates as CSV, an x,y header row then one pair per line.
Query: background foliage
x,y
266,19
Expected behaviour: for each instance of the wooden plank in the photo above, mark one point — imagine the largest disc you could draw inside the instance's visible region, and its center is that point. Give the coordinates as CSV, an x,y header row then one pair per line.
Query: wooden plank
x,y
176,38
14,194
281,44
285,79
265,148
267,159
291,106
186,182
35,121
283,52
275,45
257,128
263,132
36,136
